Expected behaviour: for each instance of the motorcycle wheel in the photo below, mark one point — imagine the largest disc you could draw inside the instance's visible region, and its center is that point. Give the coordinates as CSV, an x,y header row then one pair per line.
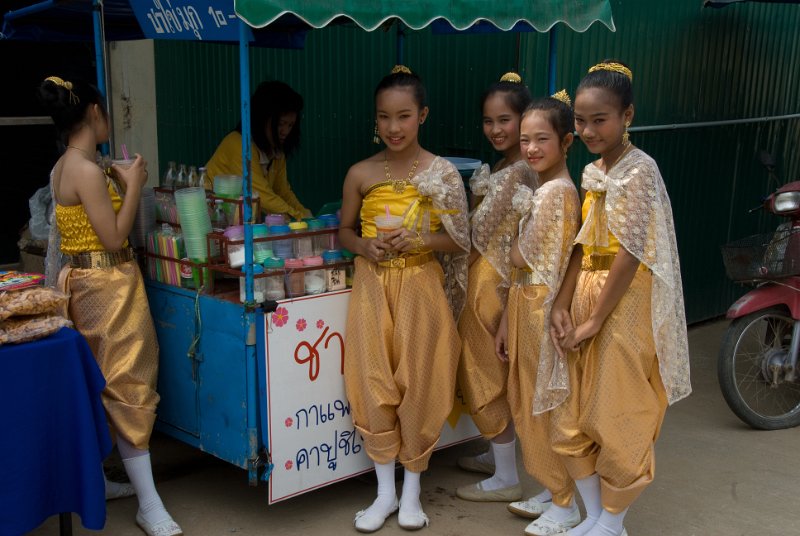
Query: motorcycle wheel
x,y
748,343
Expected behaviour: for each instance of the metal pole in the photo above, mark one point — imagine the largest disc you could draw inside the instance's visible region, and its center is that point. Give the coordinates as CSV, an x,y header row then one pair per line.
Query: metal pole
x,y
102,67
677,126
249,307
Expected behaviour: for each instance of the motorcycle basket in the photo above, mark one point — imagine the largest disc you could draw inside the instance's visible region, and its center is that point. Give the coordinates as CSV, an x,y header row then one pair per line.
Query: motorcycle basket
x,y
763,256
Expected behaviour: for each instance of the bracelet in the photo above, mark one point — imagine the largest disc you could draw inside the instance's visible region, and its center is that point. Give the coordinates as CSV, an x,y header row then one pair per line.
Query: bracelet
x,y
418,242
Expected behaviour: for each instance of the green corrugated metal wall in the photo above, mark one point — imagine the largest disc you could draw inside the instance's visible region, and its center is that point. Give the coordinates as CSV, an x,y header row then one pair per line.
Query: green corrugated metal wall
x,y
690,64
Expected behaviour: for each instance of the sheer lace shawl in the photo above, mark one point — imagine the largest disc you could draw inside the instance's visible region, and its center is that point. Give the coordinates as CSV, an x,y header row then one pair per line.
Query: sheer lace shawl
x,y
494,226
442,183
546,236
639,213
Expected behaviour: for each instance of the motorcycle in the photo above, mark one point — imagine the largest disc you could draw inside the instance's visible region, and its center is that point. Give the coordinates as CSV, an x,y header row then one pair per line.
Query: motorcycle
x,y
757,367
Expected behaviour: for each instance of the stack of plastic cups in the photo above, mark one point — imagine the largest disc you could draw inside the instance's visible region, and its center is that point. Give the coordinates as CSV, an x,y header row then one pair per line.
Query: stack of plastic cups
x,y
275,289
145,221
195,225
229,187
320,241
261,250
282,249
295,281
331,221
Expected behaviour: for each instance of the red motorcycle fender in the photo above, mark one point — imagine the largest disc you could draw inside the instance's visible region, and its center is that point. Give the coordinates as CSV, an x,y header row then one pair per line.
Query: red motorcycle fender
x,y
767,296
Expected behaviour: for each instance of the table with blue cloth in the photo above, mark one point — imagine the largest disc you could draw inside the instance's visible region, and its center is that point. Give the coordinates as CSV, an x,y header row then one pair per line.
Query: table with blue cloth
x,y
55,435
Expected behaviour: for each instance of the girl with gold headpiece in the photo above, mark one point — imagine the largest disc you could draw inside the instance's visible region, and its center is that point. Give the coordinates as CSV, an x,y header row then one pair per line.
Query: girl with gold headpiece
x,y
625,338
107,301
481,376
409,286
548,222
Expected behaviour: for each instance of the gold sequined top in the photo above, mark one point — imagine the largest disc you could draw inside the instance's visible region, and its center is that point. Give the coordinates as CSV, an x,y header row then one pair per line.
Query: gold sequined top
x,y
77,233
613,243
381,195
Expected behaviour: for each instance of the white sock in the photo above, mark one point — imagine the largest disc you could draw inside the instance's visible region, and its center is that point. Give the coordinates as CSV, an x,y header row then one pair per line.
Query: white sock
x,y
544,496
589,488
409,501
560,513
505,468
140,473
387,495
116,490
608,524
486,457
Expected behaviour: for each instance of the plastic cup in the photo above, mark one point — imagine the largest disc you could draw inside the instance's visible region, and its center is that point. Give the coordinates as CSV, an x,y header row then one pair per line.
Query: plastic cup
x,y
385,225
124,163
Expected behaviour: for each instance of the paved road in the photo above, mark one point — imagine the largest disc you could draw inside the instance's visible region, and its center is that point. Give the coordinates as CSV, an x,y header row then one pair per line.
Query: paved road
x,y
714,477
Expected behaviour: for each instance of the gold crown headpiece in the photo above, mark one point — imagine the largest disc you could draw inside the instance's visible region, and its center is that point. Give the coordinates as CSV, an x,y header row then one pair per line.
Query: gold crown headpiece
x,y
73,98
401,69
613,66
512,77
562,96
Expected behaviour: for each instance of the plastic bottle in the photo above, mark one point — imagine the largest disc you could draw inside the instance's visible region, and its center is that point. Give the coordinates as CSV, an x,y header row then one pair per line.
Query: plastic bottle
x,y
170,175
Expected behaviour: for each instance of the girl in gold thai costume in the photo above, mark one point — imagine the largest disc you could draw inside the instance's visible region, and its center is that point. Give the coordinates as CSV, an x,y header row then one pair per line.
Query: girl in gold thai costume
x,y
481,376
107,301
402,345
548,222
626,336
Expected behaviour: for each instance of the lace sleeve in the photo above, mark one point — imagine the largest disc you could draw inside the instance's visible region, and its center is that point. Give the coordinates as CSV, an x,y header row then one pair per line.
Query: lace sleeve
x,y
479,182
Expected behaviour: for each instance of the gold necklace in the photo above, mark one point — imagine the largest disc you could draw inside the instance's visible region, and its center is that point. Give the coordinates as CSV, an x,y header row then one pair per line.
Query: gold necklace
x,y
81,150
399,185
625,150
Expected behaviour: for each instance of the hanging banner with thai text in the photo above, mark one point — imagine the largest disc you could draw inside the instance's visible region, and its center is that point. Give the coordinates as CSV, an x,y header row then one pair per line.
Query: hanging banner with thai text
x,y
311,435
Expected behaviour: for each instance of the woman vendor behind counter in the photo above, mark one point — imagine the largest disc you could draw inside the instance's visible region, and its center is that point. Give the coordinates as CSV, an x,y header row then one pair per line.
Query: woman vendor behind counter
x,y
275,118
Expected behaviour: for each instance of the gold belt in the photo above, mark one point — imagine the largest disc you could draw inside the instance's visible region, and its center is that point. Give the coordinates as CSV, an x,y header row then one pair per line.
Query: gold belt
x,y
522,276
407,262
101,259
596,263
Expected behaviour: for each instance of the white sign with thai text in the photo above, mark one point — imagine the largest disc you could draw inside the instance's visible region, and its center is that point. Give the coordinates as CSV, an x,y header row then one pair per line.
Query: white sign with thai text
x,y
311,435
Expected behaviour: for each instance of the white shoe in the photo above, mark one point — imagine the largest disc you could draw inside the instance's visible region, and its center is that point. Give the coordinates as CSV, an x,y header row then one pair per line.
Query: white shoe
x,y
545,526
412,521
531,508
165,527
371,522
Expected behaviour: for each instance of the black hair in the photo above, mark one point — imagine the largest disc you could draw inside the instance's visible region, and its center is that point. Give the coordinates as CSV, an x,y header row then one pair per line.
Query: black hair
x,y
517,95
617,83
557,112
405,80
67,107
269,102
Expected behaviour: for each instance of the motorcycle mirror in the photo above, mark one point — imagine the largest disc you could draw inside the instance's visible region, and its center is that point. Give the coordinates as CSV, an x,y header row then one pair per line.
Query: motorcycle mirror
x,y
767,160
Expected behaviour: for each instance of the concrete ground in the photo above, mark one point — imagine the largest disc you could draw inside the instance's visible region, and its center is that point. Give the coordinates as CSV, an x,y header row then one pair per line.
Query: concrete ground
x,y
714,476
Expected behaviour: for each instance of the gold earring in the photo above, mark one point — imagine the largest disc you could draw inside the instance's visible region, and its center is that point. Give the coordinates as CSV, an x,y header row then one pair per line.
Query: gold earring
x,y
375,138
625,135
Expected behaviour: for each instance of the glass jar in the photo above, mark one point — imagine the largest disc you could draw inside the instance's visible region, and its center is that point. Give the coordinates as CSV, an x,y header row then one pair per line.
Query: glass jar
x,y
302,246
320,241
350,269
334,275
259,285
261,250
281,248
315,279
275,290
295,281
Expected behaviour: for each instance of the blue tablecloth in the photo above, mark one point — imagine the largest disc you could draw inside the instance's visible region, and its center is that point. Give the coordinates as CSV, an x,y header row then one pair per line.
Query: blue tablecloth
x,y
55,435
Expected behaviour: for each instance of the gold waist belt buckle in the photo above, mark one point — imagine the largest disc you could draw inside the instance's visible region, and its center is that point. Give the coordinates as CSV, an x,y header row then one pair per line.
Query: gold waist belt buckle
x,y
596,263
522,276
407,262
101,259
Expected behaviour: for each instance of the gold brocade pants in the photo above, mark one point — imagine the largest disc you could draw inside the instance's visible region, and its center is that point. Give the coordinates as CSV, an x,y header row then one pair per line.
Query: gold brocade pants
x,y
401,354
525,329
617,401
481,376
109,308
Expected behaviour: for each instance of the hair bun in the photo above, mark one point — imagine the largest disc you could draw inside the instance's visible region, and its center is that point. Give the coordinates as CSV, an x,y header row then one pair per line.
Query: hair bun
x,y
512,77
401,69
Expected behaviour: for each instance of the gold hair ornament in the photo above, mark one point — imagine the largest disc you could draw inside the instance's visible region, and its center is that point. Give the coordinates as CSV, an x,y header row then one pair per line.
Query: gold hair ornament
x,y
401,69
615,67
512,77
562,96
73,98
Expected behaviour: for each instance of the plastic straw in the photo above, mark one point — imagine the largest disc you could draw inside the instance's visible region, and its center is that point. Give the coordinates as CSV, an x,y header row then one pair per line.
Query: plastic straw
x,y
387,210
124,152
